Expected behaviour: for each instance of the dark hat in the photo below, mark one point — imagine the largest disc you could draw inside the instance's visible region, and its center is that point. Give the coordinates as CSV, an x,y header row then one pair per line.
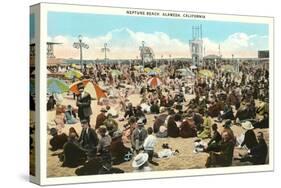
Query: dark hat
x,y
53,131
140,123
84,121
227,123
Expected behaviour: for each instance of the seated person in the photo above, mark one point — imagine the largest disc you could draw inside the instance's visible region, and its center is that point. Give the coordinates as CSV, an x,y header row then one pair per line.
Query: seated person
x,y
162,133
257,155
139,114
206,133
216,138
154,109
262,123
58,140
224,155
111,124
70,115
227,113
249,140
188,128
74,155
166,151
103,147
172,128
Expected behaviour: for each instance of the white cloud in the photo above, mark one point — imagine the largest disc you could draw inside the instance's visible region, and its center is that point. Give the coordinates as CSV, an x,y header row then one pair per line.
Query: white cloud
x,y
124,43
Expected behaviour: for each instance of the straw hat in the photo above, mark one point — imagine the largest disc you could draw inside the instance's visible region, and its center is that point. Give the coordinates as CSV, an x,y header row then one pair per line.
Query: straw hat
x,y
247,125
140,159
140,122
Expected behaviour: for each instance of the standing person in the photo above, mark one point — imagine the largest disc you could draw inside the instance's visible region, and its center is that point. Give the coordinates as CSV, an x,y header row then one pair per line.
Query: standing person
x,y
51,103
103,148
88,139
149,144
100,118
138,137
84,104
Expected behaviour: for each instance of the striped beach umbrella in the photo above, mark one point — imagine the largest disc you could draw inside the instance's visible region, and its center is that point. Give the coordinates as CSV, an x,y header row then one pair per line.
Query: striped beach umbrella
x,y
154,82
74,87
55,85
94,90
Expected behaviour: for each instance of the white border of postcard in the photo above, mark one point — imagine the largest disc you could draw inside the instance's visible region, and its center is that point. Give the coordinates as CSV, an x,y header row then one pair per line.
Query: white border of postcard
x,y
44,180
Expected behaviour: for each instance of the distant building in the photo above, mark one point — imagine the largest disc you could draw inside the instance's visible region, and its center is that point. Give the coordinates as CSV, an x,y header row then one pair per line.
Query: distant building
x,y
263,54
196,46
147,54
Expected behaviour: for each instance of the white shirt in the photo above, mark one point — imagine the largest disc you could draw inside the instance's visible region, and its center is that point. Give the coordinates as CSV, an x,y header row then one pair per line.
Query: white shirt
x,y
149,142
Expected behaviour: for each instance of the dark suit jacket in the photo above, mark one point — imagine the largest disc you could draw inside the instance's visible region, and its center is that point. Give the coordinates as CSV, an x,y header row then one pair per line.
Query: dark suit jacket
x,y
84,106
88,140
250,139
73,154
259,153
58,141
173,130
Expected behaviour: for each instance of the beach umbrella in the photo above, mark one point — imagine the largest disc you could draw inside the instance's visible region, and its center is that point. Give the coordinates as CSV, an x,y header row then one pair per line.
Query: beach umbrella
x,y
94,90
74,87
193,67
154,82
227,68
158,70
139,67
116,73
75,66
55,85
73,73
152,72
206,73
185,72
147,69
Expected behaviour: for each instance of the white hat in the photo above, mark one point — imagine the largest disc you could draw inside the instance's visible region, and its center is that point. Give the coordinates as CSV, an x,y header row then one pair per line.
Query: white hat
x,y
247,125
140,159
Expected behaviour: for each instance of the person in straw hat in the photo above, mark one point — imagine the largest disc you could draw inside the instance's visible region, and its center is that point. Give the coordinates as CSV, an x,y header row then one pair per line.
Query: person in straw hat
x,y
140,163
138,136
250,140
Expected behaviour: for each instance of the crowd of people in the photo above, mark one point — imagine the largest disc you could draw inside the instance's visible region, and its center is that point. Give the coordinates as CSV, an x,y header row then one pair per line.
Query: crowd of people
x,y
181,106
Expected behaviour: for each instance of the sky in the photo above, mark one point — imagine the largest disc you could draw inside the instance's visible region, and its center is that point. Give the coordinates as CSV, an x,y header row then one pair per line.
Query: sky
x,y
124,35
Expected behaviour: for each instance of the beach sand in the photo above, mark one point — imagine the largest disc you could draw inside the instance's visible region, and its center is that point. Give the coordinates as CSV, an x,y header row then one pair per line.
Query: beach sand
x,y
186,159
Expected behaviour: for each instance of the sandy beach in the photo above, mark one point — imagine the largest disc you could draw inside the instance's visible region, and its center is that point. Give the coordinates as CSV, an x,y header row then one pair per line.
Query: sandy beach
x,y
186,159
